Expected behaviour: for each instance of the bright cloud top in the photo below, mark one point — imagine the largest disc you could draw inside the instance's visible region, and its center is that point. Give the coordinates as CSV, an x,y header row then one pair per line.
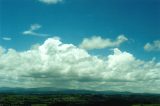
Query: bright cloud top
x,y
32,29
96,42
55,64
155,46
51,1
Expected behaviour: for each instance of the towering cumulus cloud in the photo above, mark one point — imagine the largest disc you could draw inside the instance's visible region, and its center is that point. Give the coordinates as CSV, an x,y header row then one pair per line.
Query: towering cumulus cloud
x,y
55,64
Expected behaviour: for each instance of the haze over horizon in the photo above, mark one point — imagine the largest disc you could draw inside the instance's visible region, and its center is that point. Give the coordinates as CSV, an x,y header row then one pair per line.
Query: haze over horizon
x,y
81,44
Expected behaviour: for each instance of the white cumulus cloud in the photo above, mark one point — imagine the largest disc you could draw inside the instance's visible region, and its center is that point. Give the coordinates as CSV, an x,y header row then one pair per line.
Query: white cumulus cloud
x,y
51,1
55,64
155,46
2,50
96,42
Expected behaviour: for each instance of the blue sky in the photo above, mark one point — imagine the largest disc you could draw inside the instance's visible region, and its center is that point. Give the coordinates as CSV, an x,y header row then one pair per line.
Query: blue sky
x,y
74,20
137,22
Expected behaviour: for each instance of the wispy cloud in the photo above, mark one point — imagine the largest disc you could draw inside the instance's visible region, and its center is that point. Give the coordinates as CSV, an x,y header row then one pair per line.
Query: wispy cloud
x,y
97,42
7,38
32,29
51,1
154,46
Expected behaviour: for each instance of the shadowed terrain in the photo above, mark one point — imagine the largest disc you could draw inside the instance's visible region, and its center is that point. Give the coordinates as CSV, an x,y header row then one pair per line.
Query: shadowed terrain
x,y
76,98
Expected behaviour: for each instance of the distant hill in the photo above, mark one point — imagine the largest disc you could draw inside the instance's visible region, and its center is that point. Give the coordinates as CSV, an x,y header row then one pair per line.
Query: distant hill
x,y
48,90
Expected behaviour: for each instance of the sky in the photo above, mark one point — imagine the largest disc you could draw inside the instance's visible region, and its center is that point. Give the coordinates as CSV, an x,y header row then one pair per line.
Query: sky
x,y
81,44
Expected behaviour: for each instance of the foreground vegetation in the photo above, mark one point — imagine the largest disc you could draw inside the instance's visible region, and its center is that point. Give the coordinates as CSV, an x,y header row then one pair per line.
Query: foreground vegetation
x,y
147,105
79,100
